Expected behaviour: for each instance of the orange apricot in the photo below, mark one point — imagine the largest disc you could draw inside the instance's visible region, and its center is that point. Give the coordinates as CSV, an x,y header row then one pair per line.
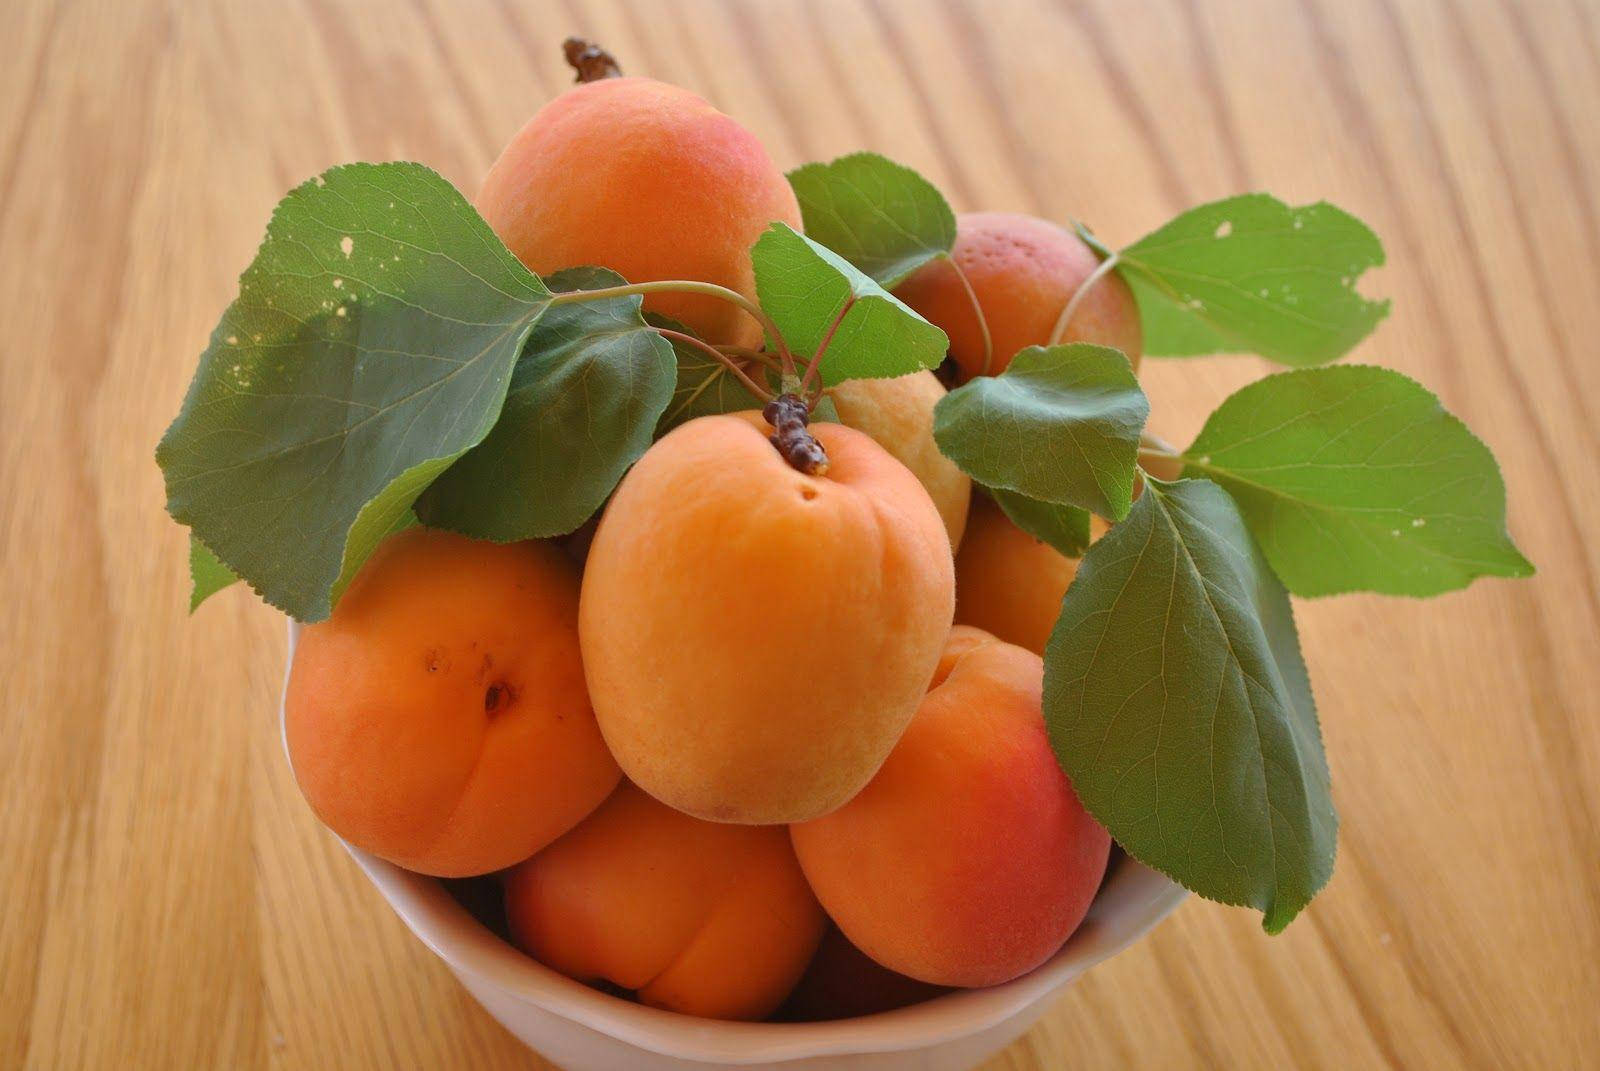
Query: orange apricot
x,y
439,718
1007,582
968,859
698,917
1023,271
646,179
755,639
898,414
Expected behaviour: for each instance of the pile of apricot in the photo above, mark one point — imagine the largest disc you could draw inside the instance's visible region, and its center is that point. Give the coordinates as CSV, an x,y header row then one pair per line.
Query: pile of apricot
x,y
770,736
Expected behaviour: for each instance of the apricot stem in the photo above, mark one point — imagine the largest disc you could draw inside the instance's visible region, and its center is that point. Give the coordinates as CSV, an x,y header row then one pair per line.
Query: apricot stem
x,y
684,286
590,60
977,310
788,414
721,358
1084,287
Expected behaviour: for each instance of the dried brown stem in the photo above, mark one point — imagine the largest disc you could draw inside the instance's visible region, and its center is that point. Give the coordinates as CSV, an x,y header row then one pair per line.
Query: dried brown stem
x,y
590,60
788,415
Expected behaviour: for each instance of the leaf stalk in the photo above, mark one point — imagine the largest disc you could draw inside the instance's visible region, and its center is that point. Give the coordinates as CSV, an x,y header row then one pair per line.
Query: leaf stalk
x,y
686,286
977,311
721,358
812,370
1106,267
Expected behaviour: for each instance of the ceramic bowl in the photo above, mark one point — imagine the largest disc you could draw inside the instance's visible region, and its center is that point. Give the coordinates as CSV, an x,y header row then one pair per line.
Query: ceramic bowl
x,y
582,1029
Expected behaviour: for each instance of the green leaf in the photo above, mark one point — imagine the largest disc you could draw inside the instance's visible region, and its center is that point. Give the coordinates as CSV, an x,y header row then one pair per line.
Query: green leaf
x,y
1059,425
807,288
1250,274
370,346
207,575
882,217
1065,528
1356,479
592,381
1178,703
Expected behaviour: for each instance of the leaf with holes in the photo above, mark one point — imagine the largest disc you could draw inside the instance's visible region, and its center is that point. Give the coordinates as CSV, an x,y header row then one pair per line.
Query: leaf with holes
x,y
817,297
1251,274
592,382
1059,425
882,217
1178,703
370,346
1355,478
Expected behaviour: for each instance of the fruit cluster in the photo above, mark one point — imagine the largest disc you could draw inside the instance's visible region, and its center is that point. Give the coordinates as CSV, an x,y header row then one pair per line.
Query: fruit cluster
x,y
739,710
770,580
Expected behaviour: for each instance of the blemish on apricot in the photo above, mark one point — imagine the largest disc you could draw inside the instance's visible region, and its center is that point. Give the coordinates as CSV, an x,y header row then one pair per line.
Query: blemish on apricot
x,y
498,697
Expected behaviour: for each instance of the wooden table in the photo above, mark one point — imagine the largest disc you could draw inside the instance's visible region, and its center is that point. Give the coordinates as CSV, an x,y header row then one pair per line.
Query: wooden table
x,y
166,898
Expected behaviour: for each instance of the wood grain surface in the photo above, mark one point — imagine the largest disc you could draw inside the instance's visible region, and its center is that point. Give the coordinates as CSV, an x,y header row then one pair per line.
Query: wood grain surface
x,y
167,900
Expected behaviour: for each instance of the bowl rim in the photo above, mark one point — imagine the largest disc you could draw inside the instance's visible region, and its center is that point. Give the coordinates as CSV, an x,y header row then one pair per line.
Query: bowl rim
x,y
1133,896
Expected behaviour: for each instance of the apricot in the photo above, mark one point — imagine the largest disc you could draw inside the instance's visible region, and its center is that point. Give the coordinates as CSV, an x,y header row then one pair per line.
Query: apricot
x,y
756,639
1023,271
646,179
968,859
898,414
439,718
843,982
1007,582
698,917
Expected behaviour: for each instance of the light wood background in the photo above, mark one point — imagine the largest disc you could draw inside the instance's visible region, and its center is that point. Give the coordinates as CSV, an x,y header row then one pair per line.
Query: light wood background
x,y
166,900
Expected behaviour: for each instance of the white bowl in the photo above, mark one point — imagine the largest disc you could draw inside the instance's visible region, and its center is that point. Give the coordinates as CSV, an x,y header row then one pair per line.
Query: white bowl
x,y
582,1029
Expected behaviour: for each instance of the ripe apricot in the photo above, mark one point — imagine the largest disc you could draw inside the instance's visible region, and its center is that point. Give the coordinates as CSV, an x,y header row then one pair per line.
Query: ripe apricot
x,y
646,179
1007,582
968,859
1023,271
898,414
699,917
755,639
438,718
